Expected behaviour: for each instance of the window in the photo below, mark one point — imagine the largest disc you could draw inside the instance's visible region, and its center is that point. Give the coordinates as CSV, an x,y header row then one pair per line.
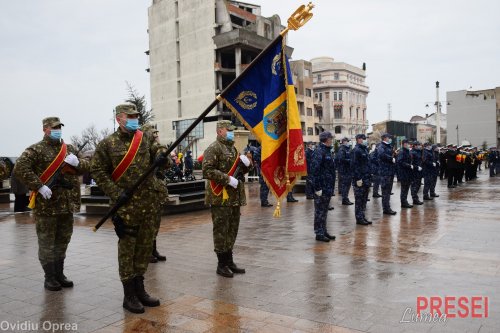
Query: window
x,y
320,95
334,95
306,72
310,131
336,76
319,113
303,126
316,130
301,108
296,91
357,113
309,112
319,77
308,93
337,113
327,95
338,129
340,95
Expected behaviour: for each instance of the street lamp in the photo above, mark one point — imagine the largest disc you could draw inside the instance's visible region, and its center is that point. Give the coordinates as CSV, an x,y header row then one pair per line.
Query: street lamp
x,y
438,114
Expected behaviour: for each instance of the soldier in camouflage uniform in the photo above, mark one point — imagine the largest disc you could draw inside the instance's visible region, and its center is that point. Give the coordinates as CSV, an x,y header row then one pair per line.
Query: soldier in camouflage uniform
x,y
218,159
4,171
54,207
136,222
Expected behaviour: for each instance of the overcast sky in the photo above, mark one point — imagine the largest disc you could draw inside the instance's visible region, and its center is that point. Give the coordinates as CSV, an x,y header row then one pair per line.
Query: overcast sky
x,y
72,58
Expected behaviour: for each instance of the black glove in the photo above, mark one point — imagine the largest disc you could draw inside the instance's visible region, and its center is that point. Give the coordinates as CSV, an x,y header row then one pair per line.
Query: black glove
x,y
161,159
121,229
123,198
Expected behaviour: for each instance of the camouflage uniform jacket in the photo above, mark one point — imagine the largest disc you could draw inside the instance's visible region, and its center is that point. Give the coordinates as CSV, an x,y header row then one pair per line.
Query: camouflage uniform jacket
x,y
30,166
4,172
109,153
218,159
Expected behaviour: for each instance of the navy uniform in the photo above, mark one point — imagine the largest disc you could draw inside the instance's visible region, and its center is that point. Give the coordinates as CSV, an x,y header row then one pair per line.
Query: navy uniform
x,y
374,167
309,187
323,180
416,161
451,166
436,171
343,162
387,169
263,189
429,169
361,178
405,173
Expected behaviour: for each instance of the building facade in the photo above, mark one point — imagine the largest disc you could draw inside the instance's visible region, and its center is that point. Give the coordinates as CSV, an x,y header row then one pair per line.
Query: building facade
x,y
340,93
196,48
474,116
426,127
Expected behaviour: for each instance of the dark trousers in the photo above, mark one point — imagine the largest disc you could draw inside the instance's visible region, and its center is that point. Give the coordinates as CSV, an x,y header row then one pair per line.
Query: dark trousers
x,y
386,183
428,181
452,176
405,187
21,203
376,183
360,199
345,186
309,188
321,205
416,182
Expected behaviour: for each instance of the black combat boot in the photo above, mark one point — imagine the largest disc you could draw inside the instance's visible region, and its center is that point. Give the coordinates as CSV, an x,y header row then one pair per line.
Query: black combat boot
x,y
156,254
130,300
232,266
60,277
152,259
50,277
329,236
290,198
222,268
142,295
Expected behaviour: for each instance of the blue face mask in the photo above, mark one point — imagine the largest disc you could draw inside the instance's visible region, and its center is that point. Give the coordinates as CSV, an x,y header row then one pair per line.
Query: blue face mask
x,y
389,141
132,124
55,134
230,136
365,142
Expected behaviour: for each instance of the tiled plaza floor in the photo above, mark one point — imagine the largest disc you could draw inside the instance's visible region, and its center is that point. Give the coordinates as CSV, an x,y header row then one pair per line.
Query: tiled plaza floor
x,y
363,281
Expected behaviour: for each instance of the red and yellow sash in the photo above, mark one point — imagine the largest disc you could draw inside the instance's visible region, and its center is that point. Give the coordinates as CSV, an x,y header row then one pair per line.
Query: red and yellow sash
x,y
217,189
49,172
129,156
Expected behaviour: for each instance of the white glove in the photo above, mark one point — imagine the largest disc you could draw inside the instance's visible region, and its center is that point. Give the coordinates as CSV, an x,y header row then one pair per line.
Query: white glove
x,y
433,164
245,160
72,160
393,160
411,167
233,182
419,168
359,183
319,193
45,191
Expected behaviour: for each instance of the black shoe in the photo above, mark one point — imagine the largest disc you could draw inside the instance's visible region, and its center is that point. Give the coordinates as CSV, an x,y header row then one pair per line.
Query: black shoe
x,y
266,204
291,199
361,222
322,238
406,205
426,197
331,208
60,277
152,259
389,212
130,300
329,236
368,199
376,195
309,198
434,195
369,222
392,193
156,254
232,266
222,268
142,295
417,202
50,282
347,202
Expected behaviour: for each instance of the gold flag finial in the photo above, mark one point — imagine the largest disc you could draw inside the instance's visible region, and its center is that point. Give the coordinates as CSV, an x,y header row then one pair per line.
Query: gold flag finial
x,y
300,16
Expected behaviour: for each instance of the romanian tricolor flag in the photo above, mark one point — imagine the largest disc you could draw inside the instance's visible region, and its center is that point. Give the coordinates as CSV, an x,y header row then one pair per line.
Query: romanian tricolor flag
x,y
264,100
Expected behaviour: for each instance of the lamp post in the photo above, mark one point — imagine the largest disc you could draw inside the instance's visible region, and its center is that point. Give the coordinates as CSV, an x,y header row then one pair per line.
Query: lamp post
x,y
438,115
458,143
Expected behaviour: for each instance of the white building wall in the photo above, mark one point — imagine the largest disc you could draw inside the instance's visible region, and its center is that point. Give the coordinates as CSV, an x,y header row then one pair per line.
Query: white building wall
x,y
475,116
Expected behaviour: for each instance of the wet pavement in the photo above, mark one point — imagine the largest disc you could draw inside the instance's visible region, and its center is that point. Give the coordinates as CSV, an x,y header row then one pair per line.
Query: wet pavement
x,y
367,280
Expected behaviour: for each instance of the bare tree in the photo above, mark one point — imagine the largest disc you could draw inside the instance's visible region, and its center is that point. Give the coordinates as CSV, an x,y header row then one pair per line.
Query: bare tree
x,y
90,135
145,115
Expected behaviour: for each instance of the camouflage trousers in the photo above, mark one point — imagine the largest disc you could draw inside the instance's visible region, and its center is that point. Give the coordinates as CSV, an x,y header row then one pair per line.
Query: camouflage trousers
x,y
416,182
386,183
360,199
321,205
134,251
54,234
263,191
226,222
344,186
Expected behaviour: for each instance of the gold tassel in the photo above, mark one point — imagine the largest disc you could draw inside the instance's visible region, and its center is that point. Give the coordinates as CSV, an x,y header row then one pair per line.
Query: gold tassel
x,y
225,196
277,211
32,200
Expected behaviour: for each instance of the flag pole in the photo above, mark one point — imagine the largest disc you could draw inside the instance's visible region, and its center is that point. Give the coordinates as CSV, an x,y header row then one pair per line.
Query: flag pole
x,y
297,20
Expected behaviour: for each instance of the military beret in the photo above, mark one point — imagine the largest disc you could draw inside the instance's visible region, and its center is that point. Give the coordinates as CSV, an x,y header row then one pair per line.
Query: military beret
x,y
360,136
386,135
51,122
345,139
127,108
323,136
226,124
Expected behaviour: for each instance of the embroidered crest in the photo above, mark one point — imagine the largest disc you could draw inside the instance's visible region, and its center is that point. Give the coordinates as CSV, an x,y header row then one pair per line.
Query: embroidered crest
x,y
275,121
246,100
279,176
276,65
298,156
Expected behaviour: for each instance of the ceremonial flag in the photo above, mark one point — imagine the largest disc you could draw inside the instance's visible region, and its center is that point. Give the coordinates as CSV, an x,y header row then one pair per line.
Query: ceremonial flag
x,y
265,102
